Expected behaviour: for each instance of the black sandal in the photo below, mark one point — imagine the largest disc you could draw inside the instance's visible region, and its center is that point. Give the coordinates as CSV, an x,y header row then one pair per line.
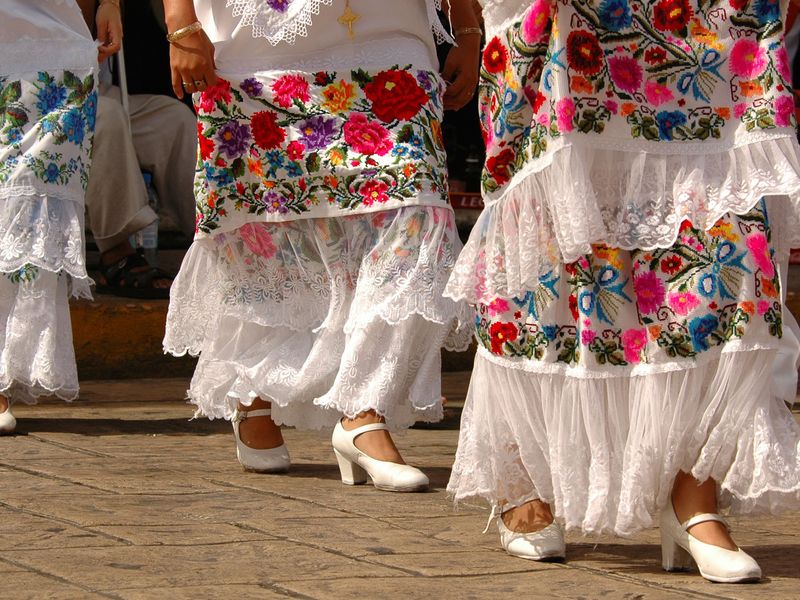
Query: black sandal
x,y
132,277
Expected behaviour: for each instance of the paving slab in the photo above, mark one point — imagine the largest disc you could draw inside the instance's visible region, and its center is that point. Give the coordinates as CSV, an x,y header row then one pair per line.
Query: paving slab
x,y
132,499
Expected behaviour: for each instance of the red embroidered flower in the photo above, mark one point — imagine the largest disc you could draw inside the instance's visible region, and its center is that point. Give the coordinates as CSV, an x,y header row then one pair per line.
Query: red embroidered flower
x,y
672,264
655,56
289,88
495,56
499,166
584,53
295,150
266,131
573,305
205,145
500,334
395,95
671,15
537,104
739,4
373,191
208,98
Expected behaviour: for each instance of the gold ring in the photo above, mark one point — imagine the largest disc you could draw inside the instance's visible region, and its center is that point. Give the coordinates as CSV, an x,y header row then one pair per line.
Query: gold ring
x,y
199,82
187,83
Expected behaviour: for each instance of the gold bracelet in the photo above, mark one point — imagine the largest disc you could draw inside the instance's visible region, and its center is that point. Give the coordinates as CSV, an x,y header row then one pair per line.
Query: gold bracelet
x,y
469,31
183,32
111,2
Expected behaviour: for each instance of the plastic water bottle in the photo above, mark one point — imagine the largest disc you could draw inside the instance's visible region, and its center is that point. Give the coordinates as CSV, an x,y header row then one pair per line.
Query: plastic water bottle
x,y
147,238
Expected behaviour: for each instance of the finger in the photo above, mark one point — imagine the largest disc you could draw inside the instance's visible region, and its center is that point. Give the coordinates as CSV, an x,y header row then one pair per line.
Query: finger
x,y
177,86
211,77
460,86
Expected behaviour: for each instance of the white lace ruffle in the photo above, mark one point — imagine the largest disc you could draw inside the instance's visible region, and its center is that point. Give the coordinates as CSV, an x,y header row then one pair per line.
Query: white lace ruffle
x,y
605,452
346,312
623,199
41,229
37,357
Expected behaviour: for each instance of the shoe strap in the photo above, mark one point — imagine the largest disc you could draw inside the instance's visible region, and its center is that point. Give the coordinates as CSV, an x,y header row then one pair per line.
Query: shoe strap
x,y
703,518
241,415
354,433
497,513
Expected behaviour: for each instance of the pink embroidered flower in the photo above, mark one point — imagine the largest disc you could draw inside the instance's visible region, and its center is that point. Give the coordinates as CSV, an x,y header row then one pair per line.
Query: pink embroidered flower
x,y
289,87
365,136
208,98
784,108
748,59
565,112
633,342
739,110
683,302
497,306
656,93
782,64
649,291
535,23
587,336
543,119
763,307
759,249
612,106
257,239
625,73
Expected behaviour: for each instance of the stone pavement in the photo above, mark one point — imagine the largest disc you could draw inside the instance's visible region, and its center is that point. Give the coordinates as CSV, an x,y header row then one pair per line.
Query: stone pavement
x,y
119,495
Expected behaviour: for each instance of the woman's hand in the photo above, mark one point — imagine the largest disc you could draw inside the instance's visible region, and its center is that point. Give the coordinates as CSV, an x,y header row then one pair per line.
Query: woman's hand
x,y
461,71
192,63
109,30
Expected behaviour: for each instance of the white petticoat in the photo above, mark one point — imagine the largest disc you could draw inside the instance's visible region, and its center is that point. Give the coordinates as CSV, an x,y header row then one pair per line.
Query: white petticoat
x,y
604,452
321,316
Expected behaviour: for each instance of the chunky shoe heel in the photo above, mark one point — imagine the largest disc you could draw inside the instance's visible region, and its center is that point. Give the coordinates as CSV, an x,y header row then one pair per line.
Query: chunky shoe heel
x,y
352,473
355,465
673,557
257,460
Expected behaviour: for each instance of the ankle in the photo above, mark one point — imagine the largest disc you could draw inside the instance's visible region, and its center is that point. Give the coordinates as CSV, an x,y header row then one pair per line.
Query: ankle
x,y
4,404
368,417
532,516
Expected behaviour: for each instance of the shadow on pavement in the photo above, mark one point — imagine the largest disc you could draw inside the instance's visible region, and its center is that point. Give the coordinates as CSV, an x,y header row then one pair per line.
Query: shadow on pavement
x,y
97,427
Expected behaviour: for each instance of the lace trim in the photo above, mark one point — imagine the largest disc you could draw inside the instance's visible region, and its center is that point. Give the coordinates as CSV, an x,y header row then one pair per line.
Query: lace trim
x,y
624,200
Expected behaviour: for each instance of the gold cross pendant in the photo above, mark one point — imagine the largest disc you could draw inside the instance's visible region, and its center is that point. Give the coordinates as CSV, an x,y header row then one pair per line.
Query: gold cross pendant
x,y
348,19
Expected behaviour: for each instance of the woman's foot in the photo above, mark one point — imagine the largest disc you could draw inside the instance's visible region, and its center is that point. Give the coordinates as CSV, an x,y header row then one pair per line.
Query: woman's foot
x,y
259,442
692,531
529,531
7,421
258,432
691,498
375,444
364,447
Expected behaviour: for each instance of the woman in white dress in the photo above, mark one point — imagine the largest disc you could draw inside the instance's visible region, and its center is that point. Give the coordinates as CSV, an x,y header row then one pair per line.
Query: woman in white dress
x,y
47,111
313,290
628,305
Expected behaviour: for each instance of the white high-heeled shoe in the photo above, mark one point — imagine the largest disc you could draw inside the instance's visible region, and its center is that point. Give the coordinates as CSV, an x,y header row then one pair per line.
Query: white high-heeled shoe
x,y
545,545
355,465
679,548
258,460
8,423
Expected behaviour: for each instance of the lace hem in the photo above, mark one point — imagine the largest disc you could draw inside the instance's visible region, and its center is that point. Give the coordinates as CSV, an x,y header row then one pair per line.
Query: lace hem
x,y
38,358
604,453
42,229
557,214
307,274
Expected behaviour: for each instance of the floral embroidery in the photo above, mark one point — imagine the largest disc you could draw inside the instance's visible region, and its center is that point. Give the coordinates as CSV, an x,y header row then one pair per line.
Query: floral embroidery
x,y
46,127
652,70
619,308
293,143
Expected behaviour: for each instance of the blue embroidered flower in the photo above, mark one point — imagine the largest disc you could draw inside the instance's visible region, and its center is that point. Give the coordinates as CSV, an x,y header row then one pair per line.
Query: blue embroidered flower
x,y
218,176
767,11
90,110
615,14
51,173
48,125
667,121
74,126
14,135
50,97
293,169
700,328
550,331
400,151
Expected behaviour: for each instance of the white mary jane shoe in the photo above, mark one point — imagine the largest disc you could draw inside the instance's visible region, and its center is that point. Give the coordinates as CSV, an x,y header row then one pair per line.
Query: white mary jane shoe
x,y
257,460
355,465
545,545
7,422
679,548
